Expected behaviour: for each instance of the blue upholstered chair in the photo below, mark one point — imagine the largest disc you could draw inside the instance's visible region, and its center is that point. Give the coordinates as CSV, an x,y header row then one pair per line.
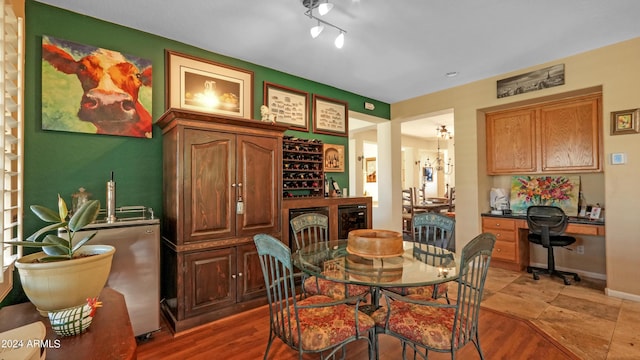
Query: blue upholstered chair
x,y
433,325
312,229
315,324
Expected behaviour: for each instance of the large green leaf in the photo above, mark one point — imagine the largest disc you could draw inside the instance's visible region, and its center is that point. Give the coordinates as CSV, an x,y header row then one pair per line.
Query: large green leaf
x,y
82,242
87,214
34,237
46,214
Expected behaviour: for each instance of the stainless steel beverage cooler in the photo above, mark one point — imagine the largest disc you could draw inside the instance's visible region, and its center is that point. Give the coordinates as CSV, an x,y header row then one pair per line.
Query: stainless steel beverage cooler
x,y
135,270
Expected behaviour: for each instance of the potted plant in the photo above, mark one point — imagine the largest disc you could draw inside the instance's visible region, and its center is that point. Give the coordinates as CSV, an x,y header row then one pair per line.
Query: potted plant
x,y
67,271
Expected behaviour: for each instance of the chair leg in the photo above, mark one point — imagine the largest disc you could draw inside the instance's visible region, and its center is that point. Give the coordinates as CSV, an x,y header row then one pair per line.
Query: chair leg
x,y
551,270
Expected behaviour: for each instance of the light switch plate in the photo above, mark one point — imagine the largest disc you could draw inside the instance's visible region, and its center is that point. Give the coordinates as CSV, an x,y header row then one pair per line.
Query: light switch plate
x,y
618,158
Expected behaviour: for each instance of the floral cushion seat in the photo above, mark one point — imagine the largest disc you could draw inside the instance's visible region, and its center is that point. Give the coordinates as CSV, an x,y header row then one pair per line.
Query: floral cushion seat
x,y
425,291
323,327
424,325
333,289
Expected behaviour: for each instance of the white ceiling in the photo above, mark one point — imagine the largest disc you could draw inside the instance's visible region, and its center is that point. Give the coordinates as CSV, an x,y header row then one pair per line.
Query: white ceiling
x,y
394,50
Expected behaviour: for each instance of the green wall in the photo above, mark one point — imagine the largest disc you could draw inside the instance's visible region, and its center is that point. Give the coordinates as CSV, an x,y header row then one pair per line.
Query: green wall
x,y
61,162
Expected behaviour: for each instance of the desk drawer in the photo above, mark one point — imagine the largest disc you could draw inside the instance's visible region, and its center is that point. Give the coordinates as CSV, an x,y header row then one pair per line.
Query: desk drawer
x,y
498,223
504,250
503,235
582,229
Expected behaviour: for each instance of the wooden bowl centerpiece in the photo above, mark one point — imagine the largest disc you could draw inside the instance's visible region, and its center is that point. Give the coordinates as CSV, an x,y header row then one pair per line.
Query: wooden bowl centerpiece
x,y
375,243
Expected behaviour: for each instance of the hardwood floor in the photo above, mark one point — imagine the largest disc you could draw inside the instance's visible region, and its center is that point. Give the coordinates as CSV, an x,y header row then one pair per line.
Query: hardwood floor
x,y
244,336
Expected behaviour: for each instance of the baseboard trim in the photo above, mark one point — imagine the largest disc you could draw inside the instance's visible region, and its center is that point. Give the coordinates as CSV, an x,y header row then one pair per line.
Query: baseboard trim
x,y
587,274
622,295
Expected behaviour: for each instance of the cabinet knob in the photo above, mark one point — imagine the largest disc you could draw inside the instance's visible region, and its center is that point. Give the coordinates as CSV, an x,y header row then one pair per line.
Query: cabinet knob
x,y
233,276
239,274
497,235
498,224
498,249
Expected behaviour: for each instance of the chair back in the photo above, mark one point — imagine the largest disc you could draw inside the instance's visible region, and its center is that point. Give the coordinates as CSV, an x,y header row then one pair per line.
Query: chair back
x,y
433,229
452,199
474,266
277,268
550,217
546,221
407,201
310,228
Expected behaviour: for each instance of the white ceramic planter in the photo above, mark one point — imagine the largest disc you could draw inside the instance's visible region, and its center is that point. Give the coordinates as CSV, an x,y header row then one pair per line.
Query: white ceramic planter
x,y
64,284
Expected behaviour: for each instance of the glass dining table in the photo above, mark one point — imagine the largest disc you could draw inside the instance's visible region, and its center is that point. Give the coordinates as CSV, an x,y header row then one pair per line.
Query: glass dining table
x,y
419,265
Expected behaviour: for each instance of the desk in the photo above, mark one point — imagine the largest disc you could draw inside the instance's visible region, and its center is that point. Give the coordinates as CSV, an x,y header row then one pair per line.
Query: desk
x,y
110,335
511,250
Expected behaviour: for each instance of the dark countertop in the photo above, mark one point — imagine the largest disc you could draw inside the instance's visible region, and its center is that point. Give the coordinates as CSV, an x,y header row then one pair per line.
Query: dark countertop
x,y
572,219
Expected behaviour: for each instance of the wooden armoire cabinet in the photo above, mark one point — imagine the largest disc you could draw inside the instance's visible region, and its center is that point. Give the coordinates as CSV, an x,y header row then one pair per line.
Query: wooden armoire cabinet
x,y
222,185
563,136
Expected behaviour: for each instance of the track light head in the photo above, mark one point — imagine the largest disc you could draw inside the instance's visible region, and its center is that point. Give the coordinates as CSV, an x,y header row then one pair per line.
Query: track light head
x,y
340,40
316,30
324,8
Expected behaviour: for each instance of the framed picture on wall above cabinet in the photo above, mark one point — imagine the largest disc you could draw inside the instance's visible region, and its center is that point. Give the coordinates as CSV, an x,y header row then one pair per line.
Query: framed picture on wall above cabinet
x,y
207,86
333,158
290,106
330,116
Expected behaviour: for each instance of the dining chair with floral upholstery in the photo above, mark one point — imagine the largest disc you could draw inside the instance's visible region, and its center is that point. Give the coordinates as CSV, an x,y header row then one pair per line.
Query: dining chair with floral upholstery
x,y
312,229
434,229
434,325
315,324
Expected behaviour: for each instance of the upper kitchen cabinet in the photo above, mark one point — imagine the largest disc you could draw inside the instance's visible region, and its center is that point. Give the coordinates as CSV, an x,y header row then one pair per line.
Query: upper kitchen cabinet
x,y
555,137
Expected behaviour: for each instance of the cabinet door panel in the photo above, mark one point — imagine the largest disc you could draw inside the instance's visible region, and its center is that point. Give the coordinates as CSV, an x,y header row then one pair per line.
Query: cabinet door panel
x,y
258,169
250,277
208,278
570,136
511,146
209,158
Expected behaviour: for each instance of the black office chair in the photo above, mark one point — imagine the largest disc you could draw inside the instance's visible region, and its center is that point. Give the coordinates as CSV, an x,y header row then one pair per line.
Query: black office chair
x,y
546,228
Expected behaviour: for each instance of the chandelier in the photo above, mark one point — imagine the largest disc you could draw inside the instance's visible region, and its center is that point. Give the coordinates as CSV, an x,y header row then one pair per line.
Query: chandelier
x,y
323,9
439,163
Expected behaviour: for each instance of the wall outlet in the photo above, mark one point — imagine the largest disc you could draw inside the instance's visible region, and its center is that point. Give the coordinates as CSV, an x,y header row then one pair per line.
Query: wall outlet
x,y
580,249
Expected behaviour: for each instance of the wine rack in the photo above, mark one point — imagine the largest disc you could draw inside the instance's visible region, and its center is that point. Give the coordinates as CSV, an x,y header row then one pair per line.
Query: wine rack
x,y
302,167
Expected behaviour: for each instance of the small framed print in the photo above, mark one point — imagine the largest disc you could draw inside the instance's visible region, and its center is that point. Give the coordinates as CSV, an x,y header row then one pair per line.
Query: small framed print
x,y
371,170
625,122
330,116
595,213
333,157
290,106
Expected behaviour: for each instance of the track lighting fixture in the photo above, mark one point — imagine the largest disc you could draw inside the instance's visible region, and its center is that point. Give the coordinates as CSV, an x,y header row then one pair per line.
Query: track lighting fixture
x,y
323,9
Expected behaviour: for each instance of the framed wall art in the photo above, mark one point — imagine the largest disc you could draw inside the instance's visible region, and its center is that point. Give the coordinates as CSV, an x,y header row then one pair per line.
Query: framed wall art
x,y
532,81
625,122
333,157
206,86
73,101
330,116
371,170
290,106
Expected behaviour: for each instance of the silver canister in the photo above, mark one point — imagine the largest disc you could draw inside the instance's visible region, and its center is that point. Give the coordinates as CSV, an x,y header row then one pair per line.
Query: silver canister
x,y
111,201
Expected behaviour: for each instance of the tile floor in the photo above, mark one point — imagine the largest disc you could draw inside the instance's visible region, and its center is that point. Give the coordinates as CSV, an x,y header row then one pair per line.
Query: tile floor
x,y
592,325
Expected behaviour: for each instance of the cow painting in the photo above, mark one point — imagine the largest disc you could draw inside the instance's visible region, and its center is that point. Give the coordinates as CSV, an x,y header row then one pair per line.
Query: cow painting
x,y
94,90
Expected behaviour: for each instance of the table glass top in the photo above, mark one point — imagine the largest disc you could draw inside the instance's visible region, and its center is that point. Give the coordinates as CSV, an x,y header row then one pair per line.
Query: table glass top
x,y
419,265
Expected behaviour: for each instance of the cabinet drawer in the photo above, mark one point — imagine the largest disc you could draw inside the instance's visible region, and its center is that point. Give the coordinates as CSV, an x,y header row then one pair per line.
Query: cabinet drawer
x,y
504,250
498,223
503,235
